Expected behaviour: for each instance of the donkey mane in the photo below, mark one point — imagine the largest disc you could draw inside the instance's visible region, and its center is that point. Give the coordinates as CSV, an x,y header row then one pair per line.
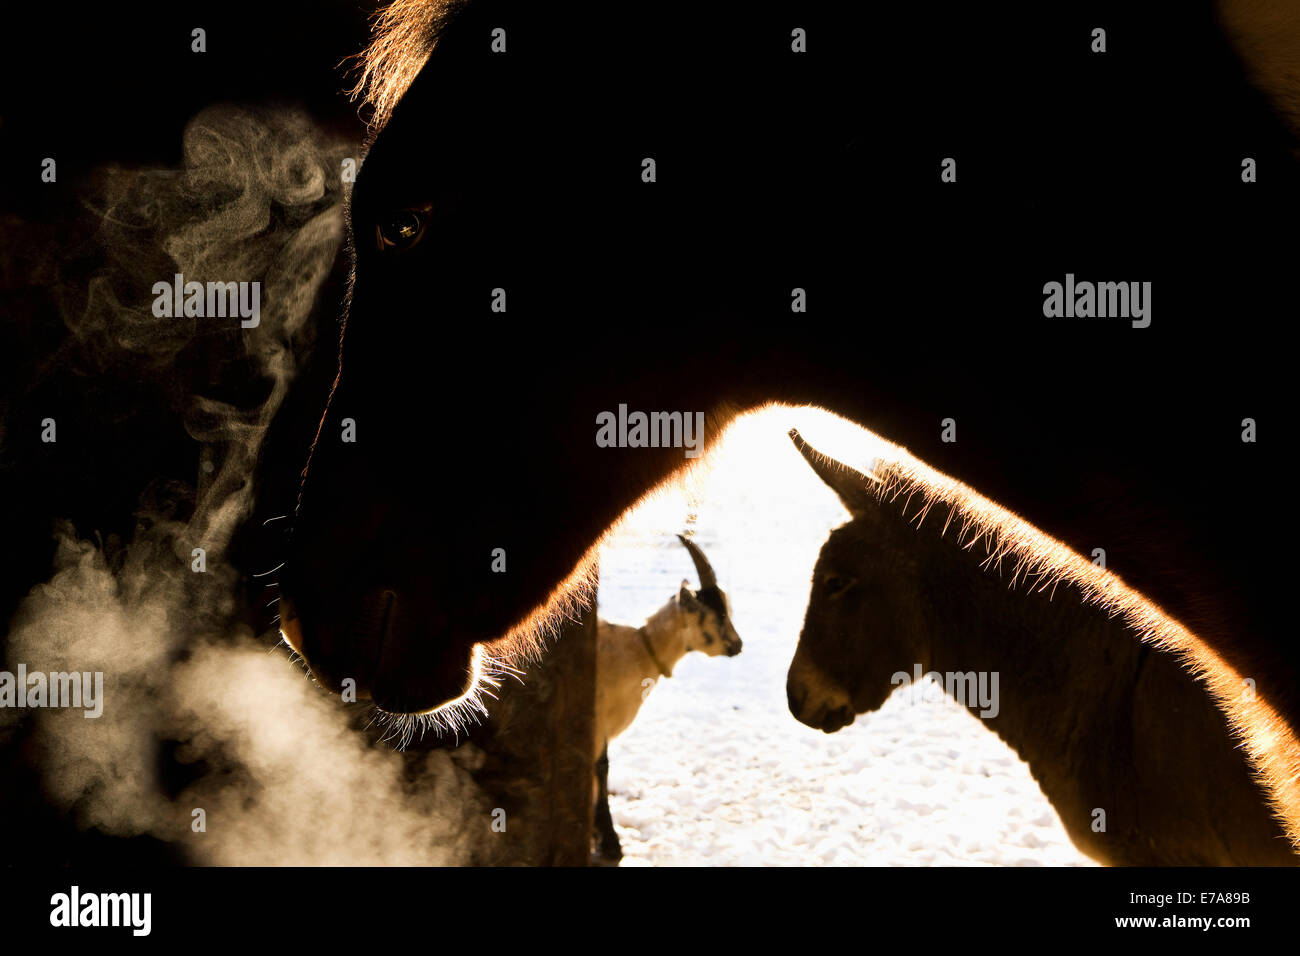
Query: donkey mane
x,y
1040,561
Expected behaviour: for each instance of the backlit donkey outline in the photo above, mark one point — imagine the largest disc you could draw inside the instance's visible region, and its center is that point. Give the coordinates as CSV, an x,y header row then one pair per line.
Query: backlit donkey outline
x,y
1126,744
388,577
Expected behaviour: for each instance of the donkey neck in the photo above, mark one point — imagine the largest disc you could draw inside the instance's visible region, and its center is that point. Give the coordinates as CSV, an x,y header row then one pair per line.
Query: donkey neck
x,y
1105,721
1062,666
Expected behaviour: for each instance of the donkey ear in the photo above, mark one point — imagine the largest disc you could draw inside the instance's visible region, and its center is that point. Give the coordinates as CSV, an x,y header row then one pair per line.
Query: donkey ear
x,y
853,487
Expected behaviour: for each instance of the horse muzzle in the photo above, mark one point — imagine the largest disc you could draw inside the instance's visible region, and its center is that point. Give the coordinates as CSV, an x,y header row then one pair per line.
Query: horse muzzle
x,y
379,646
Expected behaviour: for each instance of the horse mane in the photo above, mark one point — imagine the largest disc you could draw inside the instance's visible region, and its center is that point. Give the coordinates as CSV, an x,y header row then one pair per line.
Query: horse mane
x,y
1040,561
402,35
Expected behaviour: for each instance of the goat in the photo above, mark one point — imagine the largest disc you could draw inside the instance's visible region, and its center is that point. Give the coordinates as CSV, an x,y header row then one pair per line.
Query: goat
x,y
630,660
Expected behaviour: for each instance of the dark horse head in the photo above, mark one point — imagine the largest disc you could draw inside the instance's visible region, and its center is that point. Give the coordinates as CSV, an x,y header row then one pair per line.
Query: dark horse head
x,y
390,578
454,491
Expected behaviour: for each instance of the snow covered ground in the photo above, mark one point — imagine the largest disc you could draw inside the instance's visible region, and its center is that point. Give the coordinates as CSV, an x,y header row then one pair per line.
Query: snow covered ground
x,y
715,770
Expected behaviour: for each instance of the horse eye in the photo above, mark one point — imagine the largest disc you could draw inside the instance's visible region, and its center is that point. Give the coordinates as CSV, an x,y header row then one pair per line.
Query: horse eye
x,y
402,229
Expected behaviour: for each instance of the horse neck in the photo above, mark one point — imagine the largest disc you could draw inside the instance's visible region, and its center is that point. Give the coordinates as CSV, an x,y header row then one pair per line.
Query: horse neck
x,y
666,632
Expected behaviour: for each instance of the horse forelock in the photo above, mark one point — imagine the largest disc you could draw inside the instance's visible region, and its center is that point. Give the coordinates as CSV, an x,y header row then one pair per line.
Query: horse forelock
x,y
402,35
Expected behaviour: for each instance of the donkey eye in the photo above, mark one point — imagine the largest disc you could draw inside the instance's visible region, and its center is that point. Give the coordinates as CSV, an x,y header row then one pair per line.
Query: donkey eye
x,y
837,585
402,229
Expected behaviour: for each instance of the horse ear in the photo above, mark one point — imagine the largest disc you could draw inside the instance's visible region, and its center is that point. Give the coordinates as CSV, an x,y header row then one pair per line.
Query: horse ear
x,y
684,596
853,487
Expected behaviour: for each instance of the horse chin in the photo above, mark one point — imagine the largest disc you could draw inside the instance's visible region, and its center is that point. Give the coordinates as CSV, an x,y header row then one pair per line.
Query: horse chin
x,y
427,694
454,701
405,663
291,634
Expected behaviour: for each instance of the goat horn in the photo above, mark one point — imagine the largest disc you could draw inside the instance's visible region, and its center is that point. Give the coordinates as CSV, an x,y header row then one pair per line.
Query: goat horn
x,y
707,578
